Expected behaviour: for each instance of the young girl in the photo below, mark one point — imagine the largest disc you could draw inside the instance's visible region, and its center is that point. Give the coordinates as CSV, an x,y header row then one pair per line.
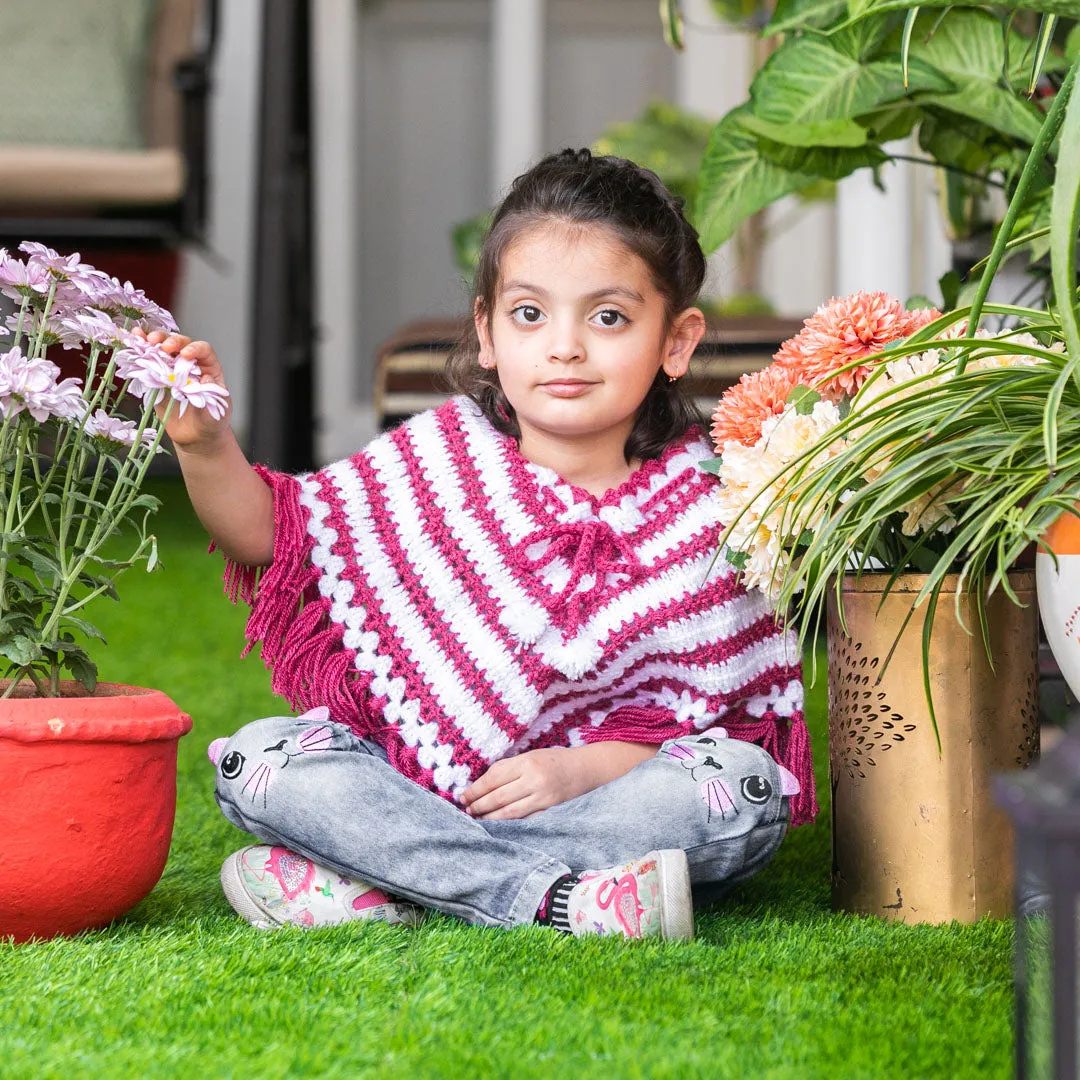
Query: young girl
x,y
527,699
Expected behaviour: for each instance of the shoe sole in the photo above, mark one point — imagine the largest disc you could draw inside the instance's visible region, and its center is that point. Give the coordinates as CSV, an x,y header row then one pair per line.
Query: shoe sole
x,y
676,904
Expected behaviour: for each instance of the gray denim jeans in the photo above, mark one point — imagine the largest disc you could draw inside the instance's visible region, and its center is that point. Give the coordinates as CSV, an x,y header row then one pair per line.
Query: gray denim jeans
x,y
320,790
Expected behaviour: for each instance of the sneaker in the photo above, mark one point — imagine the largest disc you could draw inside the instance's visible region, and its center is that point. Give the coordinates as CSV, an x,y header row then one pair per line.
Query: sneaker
x,y
648,897
273,886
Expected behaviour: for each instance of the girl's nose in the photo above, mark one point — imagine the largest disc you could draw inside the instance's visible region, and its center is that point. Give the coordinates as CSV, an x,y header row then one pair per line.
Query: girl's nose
x,y
565,344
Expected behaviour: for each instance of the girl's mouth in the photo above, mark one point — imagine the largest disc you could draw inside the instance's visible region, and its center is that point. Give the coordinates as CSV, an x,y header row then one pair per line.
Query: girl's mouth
x,y
566,388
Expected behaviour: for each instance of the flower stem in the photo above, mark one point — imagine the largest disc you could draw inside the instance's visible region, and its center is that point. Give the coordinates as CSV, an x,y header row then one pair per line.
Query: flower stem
x,y
115,511
9,518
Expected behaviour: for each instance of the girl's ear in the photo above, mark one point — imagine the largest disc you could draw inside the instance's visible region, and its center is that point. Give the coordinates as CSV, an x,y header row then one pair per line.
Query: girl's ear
x,y
483,334
682,339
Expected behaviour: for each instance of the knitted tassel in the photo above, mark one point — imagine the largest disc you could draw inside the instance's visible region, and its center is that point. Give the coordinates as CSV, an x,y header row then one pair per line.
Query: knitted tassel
x,y
637,723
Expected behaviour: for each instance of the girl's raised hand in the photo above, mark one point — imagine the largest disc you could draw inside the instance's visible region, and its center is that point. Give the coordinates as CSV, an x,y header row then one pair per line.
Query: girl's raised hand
x,y
196,430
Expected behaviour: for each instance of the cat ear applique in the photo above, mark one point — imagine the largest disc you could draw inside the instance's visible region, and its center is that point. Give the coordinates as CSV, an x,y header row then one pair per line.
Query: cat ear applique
x,y
214,750
319,715
789,784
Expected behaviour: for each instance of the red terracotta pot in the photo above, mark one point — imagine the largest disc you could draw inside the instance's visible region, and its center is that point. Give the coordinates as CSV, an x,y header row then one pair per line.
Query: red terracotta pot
x,y
87,800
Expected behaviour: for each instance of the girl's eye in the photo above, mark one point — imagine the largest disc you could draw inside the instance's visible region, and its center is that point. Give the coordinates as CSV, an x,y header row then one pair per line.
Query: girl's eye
x,y
526,313
611,317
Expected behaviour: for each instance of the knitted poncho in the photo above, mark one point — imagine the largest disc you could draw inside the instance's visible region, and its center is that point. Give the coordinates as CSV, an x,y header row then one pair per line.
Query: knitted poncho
x,y
458,604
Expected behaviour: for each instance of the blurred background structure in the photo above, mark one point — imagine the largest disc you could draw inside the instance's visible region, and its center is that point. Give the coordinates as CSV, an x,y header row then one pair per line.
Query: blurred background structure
x,y
419,113
423,110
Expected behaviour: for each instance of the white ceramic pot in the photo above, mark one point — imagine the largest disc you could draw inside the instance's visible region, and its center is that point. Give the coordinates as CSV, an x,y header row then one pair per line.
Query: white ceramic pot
x,y
1059,609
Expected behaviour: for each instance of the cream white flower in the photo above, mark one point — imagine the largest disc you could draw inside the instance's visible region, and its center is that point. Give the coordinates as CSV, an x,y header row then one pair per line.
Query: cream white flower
x,y
748,475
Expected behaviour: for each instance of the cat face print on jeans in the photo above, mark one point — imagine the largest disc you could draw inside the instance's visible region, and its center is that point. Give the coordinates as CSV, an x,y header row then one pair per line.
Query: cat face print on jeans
x,y
248,761
733,776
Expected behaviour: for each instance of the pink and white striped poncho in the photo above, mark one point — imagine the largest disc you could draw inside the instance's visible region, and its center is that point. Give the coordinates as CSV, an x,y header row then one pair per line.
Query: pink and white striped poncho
x,y
458,604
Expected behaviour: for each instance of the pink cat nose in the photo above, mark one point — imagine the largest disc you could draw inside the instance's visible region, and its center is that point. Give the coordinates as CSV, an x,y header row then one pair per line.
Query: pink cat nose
x,y
213,751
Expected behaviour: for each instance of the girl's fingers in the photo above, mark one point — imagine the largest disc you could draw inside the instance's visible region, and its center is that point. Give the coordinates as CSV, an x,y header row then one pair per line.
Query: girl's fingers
x,y
503,795
203,353
519,809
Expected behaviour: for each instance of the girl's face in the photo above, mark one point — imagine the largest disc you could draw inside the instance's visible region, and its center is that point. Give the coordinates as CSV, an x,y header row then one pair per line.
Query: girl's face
x,y
577,332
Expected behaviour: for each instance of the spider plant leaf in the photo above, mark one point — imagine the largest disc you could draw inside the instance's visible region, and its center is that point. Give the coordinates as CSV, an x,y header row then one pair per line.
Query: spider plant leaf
x,y
1043,42
927,632
671,20
1065,220
1032,168
905,45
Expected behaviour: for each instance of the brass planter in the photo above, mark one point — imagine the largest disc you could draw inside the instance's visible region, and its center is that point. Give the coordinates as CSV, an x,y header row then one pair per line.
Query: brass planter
x,y
915,833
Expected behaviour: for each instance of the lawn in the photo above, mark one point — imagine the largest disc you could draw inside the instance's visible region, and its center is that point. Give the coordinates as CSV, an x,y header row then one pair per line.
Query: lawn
x,y
774,986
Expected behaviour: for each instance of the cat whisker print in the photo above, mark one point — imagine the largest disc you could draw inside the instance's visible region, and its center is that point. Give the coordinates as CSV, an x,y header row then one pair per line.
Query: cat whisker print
x,y
259,782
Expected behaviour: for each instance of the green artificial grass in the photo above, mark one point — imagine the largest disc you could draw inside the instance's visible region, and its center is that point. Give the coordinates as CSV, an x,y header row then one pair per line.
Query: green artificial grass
x,y
774,986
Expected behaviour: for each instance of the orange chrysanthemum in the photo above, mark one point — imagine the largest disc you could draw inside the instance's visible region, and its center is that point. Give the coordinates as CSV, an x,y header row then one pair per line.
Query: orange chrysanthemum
x,y
844,330
749,403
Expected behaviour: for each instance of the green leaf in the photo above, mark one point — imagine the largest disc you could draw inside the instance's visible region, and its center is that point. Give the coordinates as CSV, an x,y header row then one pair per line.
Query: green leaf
x,y
152,560
150,502
804,399
799,14
736,181
949,283
737,559
672,20
45,566
829,163
969,48
896,120
956,142
82,668
809,80
712,465
1064,227
917,302
985,103
20,650
838,132
88,629
905,44
1042,49
878,7
1072,44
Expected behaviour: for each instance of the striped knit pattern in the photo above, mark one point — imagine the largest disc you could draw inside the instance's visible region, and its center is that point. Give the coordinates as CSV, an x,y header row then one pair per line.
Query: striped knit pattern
x,y
459,604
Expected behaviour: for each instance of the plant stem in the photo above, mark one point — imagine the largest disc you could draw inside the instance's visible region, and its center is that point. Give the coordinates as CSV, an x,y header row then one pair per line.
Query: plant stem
x,y
37,349
9,518
116,509
90,498
983,179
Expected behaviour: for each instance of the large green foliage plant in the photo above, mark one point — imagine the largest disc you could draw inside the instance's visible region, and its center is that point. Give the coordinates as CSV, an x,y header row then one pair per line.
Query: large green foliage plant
x,y
849,78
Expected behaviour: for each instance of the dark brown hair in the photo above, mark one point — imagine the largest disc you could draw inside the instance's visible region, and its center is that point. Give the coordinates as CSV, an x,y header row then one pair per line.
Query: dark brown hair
x,y
578,188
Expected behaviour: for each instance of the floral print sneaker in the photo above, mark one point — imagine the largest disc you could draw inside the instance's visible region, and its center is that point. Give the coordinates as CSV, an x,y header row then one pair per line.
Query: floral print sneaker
x,y
273,886
648,897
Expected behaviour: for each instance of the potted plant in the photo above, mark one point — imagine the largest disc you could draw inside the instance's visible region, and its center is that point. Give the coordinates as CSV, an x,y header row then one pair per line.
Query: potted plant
x,y
846,81
906,458
88,769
